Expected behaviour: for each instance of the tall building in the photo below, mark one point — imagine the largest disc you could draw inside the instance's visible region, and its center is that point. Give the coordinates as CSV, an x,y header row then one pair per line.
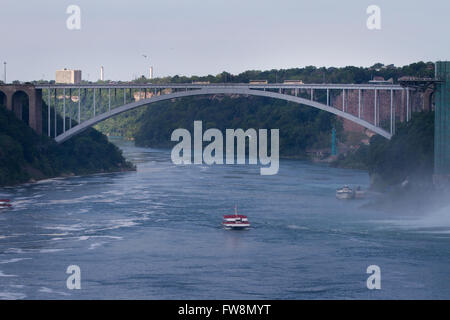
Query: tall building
x,y
102,74
68,76
442,121
150,75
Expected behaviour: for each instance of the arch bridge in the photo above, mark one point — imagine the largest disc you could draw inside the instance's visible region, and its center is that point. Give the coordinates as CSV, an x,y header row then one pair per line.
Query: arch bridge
x,y
372,106
377,107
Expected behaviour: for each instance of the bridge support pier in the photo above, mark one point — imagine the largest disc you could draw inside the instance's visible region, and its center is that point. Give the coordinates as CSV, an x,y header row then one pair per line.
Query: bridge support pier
x,y
14,103
35,106
428,99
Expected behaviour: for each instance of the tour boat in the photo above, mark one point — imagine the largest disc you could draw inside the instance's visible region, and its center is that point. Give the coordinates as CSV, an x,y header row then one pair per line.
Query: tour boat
x,y
235,221
345,193
5,203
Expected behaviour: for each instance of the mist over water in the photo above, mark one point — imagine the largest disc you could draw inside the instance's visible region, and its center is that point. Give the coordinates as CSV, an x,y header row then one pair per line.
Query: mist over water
x,y
155,234
434,219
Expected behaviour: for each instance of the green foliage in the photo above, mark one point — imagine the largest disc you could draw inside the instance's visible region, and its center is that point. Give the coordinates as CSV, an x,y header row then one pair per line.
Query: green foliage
x,y
300,127
310,74
124,125
408,155
24,155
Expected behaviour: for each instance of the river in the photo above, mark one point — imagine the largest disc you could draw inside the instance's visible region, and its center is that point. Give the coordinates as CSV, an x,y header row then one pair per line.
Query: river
x,y
155,234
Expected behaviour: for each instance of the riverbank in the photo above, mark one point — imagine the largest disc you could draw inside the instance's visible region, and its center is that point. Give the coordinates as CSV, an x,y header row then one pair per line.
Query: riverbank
x,y
408,158
28,157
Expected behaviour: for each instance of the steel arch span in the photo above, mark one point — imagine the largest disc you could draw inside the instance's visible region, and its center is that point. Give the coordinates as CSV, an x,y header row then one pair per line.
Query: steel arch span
x,y
218,90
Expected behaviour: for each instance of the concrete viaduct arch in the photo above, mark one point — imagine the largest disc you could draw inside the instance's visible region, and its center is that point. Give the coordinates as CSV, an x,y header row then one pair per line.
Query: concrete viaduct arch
x,y
12,101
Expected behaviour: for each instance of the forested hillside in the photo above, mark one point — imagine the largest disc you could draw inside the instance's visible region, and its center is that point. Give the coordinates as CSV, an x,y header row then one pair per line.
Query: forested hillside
x,y
26,156
407,156
300,128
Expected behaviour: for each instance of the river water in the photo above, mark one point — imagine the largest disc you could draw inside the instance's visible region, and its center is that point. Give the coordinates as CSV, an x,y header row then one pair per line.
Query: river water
x,y
155,234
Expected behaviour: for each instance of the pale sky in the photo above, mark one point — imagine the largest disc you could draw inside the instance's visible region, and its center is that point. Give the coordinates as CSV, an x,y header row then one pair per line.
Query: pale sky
x,y
200,37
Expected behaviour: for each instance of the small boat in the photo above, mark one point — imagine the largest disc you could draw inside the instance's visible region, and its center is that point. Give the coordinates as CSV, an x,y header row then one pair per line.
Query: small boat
x,y
5,203
345,193
235,221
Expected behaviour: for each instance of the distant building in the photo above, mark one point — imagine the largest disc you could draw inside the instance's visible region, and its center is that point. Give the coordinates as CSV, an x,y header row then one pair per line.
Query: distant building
x,y
258,82
293,82
68,76
102,74
201,82
380,80
150,73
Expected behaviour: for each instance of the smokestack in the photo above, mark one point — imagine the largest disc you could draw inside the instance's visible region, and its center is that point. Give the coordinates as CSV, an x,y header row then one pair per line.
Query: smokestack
x,y
102,75
150,76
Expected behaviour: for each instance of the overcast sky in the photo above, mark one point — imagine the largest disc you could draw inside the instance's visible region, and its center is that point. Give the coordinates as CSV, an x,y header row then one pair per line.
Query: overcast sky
x,y
199,37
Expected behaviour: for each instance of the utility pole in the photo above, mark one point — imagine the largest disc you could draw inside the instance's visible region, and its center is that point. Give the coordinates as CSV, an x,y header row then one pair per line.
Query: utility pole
x,y
147,60
4,72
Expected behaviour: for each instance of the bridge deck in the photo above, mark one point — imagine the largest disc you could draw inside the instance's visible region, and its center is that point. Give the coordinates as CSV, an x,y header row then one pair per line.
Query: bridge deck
x,y
318,86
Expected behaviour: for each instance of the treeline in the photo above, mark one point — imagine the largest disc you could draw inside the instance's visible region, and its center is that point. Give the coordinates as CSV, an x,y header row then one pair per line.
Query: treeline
x,y
25,155
408,156
311,74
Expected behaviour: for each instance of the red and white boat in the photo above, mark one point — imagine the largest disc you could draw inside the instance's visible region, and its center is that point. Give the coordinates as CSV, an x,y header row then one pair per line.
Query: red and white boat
x,y
235,221
4,203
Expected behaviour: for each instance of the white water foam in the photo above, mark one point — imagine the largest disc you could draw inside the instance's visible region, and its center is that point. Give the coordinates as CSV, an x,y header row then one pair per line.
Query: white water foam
x,y
2,275
75,200
436,219
23,251
12,295
84,238
17,286
63,227
13,260
48,290
295,227
95,245
4,237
